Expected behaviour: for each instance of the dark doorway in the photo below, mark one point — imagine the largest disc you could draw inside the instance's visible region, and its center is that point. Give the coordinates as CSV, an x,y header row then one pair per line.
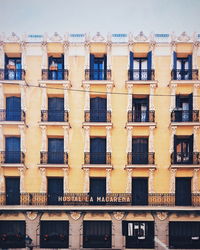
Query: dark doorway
x,y
140,191
12,191
55,190
140,151
98,151
183,191
97,191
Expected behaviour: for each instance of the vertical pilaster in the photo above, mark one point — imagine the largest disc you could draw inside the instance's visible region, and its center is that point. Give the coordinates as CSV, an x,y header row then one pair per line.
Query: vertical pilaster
x,y
21,173
1,97
86,188
108,90
66,53
44,139
87,97
43,187
109,46
2,181
195,181
173,132
44,56
173,97
87,139
23,56
172,180
129,181
173,49
23,97
87,55
151,97
44,96
129,139
108,184
108,139
151,180
66,97
194,55
195,98
195,131
66,180
152,49
66,138
2,55
1,139
130,97
23,139
151,138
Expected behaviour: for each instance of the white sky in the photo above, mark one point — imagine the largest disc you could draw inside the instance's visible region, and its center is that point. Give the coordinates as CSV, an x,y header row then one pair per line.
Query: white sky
x,y
116,16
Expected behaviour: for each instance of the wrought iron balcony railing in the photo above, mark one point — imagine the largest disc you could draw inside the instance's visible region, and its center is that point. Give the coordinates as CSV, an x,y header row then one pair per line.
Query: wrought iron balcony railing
x,y
54,116
141,158
13,157
97,158
59,74
185,158
12,115
186,74
12,74
98,74
141,75
185,116
141,116
83,199
53,158
101,116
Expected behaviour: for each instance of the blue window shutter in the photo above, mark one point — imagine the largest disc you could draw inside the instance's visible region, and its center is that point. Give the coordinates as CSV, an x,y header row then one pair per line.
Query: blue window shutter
x,y
131,58
13,144
91,61
174,60
50,60
98,145
190,62
55,145
56,104
105,62
6,59
13,108
149,60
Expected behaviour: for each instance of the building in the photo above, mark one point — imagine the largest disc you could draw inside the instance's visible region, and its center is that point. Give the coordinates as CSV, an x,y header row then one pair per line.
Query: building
x,y
99,141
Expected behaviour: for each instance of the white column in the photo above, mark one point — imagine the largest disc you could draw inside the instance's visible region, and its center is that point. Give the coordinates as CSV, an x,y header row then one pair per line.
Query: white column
x,y
86,188
152,49
173,97
151,180
1,139
23,97
1,97
2,55
44,139
173,48
87,55
66,53
195,131
108,90
109,46
151,138
151,97
130,97
44,97
2,181
194,55
44,56
129,139
23,51
66,138
172,180
195,98
108,139
43,187
66,97
195,181
66,180
108,184
87,97
87,139
21,173
129,181
22,137
173,132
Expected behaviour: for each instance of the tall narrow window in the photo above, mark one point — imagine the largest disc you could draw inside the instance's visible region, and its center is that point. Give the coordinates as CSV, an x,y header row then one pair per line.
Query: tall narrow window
x,y
140,151
12,190
55,191
13,153
183,150
140,109
140,191
13,108
183,191
97,151
98,109
55,151
13,68
184,107
98,67
56,68
97,191
56,109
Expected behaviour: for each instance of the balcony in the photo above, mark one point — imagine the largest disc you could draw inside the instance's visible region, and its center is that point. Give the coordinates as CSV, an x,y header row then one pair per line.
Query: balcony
x,y
184,75
12,74
145,158
98,74
185,116
141,75
55,75
12,157
83,199
53,158
141,116
12,116
188,158
54,116
97,158
101,118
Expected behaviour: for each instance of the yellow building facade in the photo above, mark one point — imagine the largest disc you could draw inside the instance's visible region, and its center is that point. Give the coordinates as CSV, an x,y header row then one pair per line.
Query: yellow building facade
x,y
99,141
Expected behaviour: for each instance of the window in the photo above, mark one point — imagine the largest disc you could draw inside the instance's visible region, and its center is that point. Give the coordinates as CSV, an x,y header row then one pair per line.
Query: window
x,y
139,234
140,151
12,234
13,108
98,67
12,190
54,234
139,191
140,109
13,68
97,151
98,109
55,190
56,68
97,234
56,109
55,151
183,150
182,67
183,191
183,111
97,191
184,235
13,154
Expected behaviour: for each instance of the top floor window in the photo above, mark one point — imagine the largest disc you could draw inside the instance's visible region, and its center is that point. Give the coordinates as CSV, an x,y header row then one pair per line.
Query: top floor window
x,y
98,67
56,68
13,68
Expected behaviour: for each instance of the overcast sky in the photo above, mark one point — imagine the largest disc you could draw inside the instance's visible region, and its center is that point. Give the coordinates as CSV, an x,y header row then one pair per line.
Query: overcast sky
x,y
116,16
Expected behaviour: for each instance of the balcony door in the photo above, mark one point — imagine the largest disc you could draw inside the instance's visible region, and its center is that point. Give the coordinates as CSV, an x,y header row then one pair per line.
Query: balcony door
x,y
184,108
182,67
140,151
55,151
12,154
140,109
97,191
55,190
56,68
13,68
12,190
13,108
56,109
98,67
183,191
98,151
140,191
98,109
183,150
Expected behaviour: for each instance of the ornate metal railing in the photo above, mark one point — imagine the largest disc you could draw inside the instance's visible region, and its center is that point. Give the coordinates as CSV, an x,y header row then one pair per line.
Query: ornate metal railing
x,y
141,116
54,116
53,158
59,74
185,116
187,74
101,116
141,158
13,157
12,74
83,199
12,115
185,158
98,74
97,158
141,75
